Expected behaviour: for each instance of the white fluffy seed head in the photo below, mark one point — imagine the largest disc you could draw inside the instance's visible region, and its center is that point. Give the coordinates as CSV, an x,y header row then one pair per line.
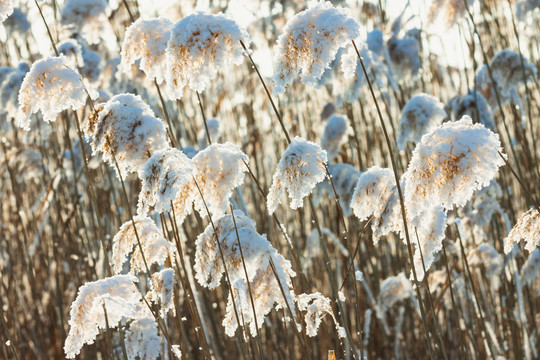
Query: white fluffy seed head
x,y
528,229
421,114
125,130
449,164
163,176
146,40
50,86
310,41
199,45
301,167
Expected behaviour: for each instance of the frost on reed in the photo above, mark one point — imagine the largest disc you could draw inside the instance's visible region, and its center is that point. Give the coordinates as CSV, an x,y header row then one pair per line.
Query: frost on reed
x,y
528,229
316,307
163,176
375,195
162,291
142,340
258,255
200,44
335,134
472,104
6,8
301,167
421,114
220,169
125,129
405,57
146,39
88,17
50,86
156,249
72,50
9,89
509,75
449,164
121,299
393,289
310,41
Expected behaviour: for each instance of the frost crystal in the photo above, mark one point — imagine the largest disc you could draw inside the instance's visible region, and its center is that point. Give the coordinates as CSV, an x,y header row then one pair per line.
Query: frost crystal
x,y
301,167
421,114
51,86
310,41
162,291
335,135
528,229
509,76
155,248
147,40
142,340
88,16
121,299
163,176
200,44
125,129
316,307
450,163
258,256
6,8
220,169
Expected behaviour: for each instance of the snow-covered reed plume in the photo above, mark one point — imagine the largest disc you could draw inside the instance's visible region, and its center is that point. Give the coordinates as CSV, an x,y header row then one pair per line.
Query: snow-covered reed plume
x,y
163,176
449,164
310,41
162,291
317,306
393,289
335,134
405,57
421,114
220,169
528,229
87,16
258,256
121,299
509,76
472,104
50,86
531,269
142,340
485,254
125,129
156,249
146,40
199,45
301,167
375,195
6,8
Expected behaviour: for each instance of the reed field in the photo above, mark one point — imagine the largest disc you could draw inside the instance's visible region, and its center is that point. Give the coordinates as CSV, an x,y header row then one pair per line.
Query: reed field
x,y
255,179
